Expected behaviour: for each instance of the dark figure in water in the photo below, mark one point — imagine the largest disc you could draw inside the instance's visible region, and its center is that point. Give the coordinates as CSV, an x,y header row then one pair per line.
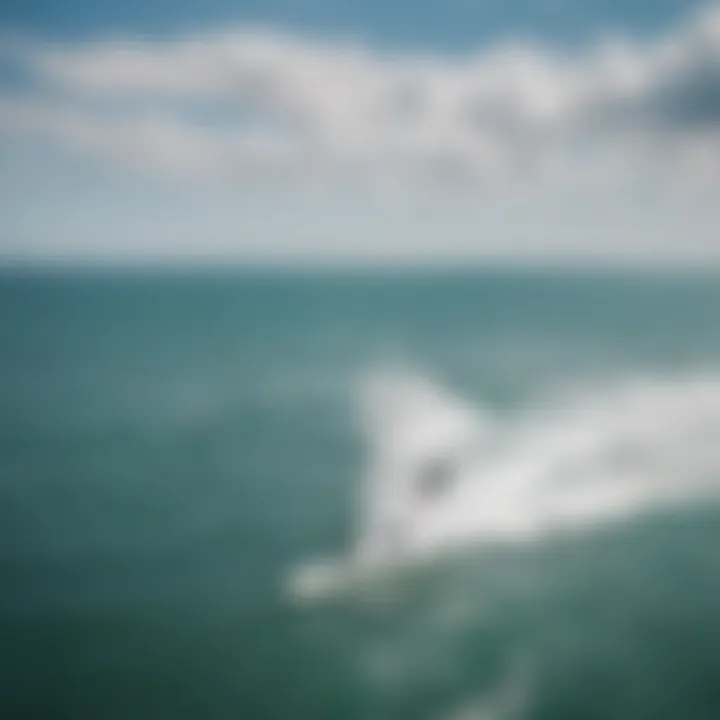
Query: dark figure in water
x,y
435,477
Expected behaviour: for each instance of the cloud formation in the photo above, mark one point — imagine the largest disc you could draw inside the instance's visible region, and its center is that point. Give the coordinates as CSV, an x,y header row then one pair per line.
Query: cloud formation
x,y
256,105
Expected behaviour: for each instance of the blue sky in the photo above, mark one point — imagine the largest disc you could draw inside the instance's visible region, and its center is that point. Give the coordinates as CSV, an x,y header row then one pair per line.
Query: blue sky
x,y
448,25
308,131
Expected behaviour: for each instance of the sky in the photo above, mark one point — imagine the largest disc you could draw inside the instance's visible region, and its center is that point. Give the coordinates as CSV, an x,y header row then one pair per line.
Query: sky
x,y
305,132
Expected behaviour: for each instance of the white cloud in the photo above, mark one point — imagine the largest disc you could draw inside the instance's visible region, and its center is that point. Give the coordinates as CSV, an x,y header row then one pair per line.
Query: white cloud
x,y
254,104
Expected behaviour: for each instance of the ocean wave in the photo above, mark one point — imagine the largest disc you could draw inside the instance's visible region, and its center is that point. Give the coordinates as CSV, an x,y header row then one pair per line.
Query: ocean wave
x,y
443,474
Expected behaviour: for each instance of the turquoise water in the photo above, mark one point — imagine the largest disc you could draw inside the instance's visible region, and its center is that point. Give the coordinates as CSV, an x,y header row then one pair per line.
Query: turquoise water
x,y
172,445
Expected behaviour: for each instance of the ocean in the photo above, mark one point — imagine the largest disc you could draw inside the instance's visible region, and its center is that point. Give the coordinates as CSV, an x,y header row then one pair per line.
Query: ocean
x,y
176,444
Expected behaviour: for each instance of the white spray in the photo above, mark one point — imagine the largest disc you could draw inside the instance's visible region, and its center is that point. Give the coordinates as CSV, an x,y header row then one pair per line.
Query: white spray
x,y
442,474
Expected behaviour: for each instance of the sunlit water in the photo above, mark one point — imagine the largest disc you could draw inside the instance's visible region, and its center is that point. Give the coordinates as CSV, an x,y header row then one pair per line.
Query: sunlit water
x,y
175,448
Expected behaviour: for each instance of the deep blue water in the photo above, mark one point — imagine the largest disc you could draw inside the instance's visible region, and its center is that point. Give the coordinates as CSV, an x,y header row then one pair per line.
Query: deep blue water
x,y
171,444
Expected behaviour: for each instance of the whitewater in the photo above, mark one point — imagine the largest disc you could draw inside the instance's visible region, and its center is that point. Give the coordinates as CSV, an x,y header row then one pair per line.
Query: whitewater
x,y
444,474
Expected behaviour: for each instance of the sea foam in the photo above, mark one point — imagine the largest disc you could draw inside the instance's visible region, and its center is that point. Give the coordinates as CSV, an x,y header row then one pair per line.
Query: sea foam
x,y
443,474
